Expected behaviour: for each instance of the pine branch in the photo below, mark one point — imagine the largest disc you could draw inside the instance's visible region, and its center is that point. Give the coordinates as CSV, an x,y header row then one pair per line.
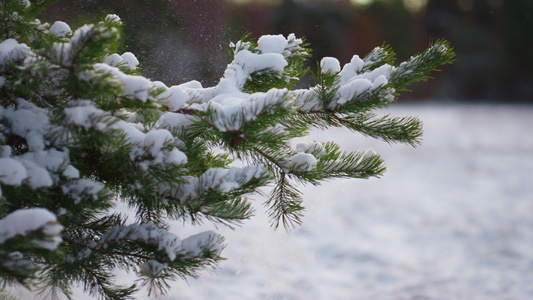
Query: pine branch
x,y
378,57
326,88
407,130
99,283
419,66
284,204
335,163
81,128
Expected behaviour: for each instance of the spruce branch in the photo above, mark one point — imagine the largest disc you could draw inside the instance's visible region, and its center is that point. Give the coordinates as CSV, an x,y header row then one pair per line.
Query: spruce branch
x,y
378,57
81,130
407,130
285,204
100,283
335,163
284,201
216,195
419,66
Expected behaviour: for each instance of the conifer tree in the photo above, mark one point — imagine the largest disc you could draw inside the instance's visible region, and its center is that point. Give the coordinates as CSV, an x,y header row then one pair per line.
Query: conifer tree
x,y
81,129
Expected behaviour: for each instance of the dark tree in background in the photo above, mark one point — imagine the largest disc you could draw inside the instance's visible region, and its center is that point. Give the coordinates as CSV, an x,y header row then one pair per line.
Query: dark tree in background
x,y
494,42
492,37
324,25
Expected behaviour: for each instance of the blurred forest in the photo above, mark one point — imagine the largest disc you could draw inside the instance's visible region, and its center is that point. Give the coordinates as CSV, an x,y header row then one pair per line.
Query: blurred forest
x,y
181,40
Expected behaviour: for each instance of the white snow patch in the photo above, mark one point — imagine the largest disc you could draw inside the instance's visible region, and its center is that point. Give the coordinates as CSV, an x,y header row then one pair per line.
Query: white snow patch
x,y
176,157
232,111
254,62
12,172
60,29
37,176
195,245
71,172
303,161
369,153
330,65
224,180
86,115
174,97
26,221
351,69
176,121
149,233
28,121
50,159
129,60
384,70
310,147
83,188
10,49
137,87
132,131
380,81
154,140
353,89
151,266
272,44
113,59
35,141
112,18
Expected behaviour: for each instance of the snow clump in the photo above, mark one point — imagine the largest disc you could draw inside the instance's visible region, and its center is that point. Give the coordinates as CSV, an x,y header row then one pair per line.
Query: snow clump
x,y
330,65
130,60
10,49
12,172
174,97
151,234
60,29
310,147
26,221
224,180
137,87
303,162
272,44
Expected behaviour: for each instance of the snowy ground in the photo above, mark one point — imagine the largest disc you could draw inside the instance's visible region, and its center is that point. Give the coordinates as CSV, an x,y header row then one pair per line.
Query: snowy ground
x,y
451,219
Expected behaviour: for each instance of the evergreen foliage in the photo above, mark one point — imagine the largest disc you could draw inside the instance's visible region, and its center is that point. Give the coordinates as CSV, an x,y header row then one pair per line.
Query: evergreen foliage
x,y
81,129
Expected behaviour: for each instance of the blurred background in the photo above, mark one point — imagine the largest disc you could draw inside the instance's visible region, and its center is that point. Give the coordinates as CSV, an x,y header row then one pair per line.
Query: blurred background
x,y
182,40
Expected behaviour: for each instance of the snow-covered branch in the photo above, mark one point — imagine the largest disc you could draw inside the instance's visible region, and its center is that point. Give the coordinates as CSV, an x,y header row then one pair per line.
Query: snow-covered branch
x,y
82,130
